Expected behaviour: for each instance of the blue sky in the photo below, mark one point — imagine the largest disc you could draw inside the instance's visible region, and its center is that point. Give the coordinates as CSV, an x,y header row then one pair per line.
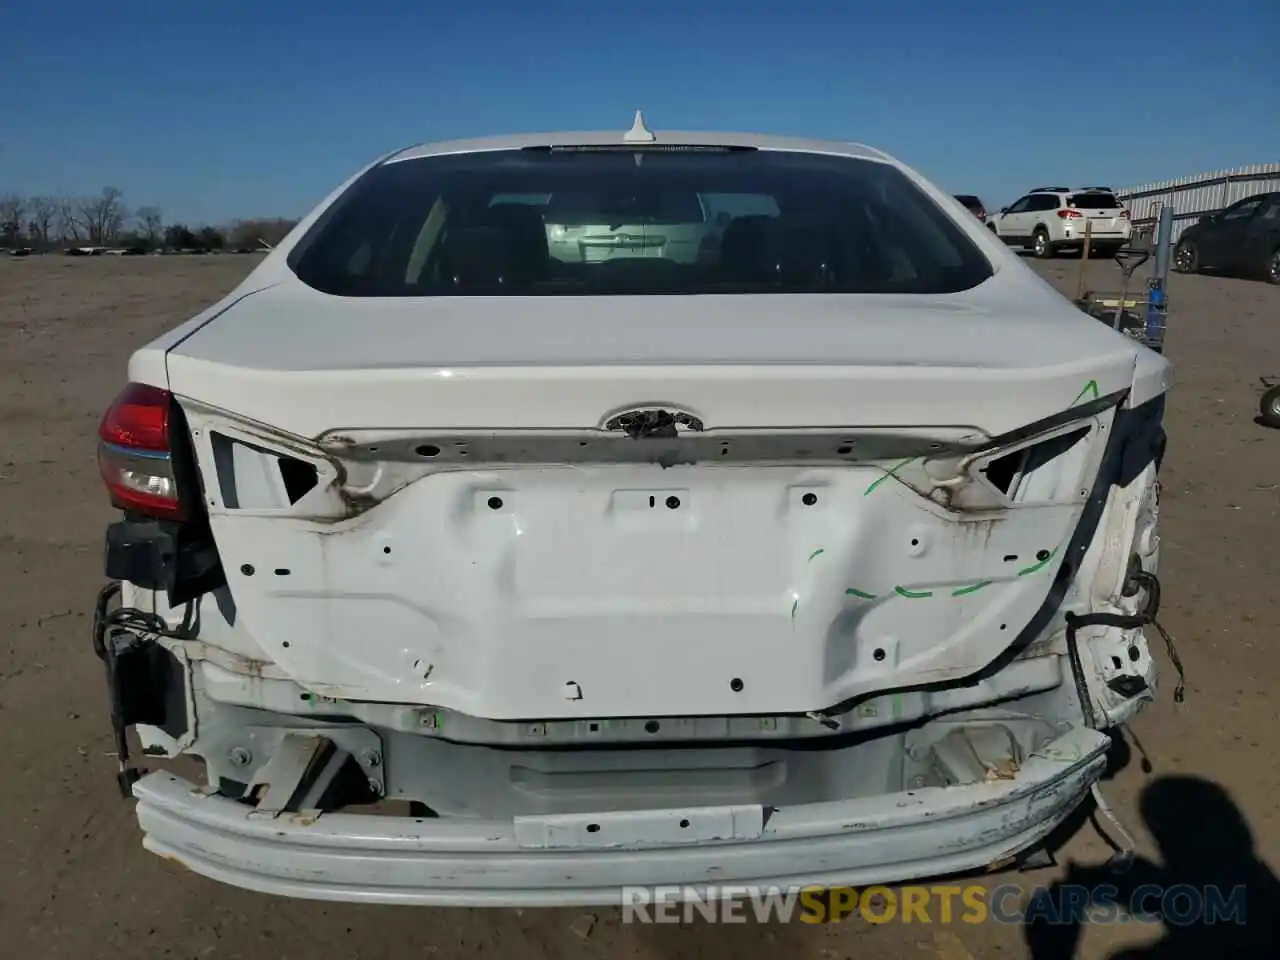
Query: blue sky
x,y
230,108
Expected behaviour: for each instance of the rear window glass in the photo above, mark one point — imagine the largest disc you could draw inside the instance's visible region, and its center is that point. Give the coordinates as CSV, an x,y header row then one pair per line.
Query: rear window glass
x,y
1095,201
541,222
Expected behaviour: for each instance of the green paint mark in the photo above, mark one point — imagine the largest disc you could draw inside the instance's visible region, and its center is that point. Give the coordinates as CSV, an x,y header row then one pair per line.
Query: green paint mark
x,y
897,705
793,608
1037,566
892,471
1090,387
912,594
815,553
972,588
860,594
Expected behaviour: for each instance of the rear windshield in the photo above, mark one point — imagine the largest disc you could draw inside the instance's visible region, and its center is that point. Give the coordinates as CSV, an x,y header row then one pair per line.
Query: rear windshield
x,y
1094,201
972,202
635,221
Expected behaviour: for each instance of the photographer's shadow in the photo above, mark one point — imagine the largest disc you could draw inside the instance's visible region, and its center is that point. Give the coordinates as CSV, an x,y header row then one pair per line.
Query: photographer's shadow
x,y
1213,894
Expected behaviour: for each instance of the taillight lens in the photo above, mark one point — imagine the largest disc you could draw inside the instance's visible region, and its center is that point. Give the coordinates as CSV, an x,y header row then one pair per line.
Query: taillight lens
x,y
135,454
1069,214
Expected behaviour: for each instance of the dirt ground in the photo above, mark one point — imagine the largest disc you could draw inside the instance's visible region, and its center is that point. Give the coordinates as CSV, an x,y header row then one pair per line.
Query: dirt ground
x,y
76,883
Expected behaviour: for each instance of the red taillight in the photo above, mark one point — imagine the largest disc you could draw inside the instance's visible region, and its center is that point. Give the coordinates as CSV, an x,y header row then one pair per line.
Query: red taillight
x,y
134,453
1069,214
138,418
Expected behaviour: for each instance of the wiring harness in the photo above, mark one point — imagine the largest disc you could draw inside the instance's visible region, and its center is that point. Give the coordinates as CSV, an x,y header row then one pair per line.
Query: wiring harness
x,y
1146,616
120,634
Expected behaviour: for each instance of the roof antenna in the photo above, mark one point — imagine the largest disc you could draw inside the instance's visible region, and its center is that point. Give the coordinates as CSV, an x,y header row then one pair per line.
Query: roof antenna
x,y
639,133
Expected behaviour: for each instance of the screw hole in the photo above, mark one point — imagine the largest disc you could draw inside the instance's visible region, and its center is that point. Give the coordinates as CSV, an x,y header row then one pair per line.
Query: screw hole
x,y
809,499
653,502
282,571
495,503
1004,626
879,653
427,450
246,569
673,502
844,449
651,726
386,549
1042,555
736,684
284,643
593,828
915,541
684,824
594,727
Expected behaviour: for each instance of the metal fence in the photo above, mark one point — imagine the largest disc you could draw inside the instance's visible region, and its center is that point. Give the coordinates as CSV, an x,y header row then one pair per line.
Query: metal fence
x,y
1193,197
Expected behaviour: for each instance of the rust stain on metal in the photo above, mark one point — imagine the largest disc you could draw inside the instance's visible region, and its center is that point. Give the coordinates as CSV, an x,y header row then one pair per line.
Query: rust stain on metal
x,y
304,818
1006,769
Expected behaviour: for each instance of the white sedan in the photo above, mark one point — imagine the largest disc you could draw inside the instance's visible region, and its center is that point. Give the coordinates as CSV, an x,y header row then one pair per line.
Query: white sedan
x,y
782,528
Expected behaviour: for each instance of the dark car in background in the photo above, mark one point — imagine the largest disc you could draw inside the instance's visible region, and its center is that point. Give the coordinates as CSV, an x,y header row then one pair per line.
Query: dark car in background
x,y
1243,239
974,205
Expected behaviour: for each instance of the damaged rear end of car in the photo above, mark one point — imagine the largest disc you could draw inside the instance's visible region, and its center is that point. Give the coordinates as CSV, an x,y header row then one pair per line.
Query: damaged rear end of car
x,y
474,576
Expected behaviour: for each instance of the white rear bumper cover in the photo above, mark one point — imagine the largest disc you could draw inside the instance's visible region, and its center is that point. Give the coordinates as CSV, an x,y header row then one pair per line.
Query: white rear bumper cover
x,y
360,858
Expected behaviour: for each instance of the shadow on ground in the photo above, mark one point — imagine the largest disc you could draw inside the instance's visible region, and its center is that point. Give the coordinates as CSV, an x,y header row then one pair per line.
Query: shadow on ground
x,y
1212,892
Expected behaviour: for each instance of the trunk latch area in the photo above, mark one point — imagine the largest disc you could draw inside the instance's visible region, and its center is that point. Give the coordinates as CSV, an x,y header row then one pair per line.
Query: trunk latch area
x,y
645,422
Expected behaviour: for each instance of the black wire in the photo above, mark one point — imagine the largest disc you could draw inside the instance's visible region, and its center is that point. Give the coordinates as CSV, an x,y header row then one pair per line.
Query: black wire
x,y
1179,692
137,620
1147,616
144,625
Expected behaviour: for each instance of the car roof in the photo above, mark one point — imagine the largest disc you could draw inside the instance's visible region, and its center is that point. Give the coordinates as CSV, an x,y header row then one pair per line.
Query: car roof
x,y
1061,190
618,138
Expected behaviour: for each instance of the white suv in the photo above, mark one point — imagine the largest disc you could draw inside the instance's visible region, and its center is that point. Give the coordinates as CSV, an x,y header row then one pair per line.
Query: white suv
x,y
1052,219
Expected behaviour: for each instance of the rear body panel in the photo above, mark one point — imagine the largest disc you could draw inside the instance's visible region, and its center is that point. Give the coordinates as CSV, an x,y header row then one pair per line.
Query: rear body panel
x,y
810,628
521,561
597,589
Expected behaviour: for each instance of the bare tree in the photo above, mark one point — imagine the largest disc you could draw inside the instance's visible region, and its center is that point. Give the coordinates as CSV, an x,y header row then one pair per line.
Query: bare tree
x,y
150,224
42,213
101,218
11,208
68,225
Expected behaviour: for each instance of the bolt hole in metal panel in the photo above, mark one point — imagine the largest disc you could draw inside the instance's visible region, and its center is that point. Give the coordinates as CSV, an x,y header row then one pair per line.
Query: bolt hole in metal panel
x,y
644,827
